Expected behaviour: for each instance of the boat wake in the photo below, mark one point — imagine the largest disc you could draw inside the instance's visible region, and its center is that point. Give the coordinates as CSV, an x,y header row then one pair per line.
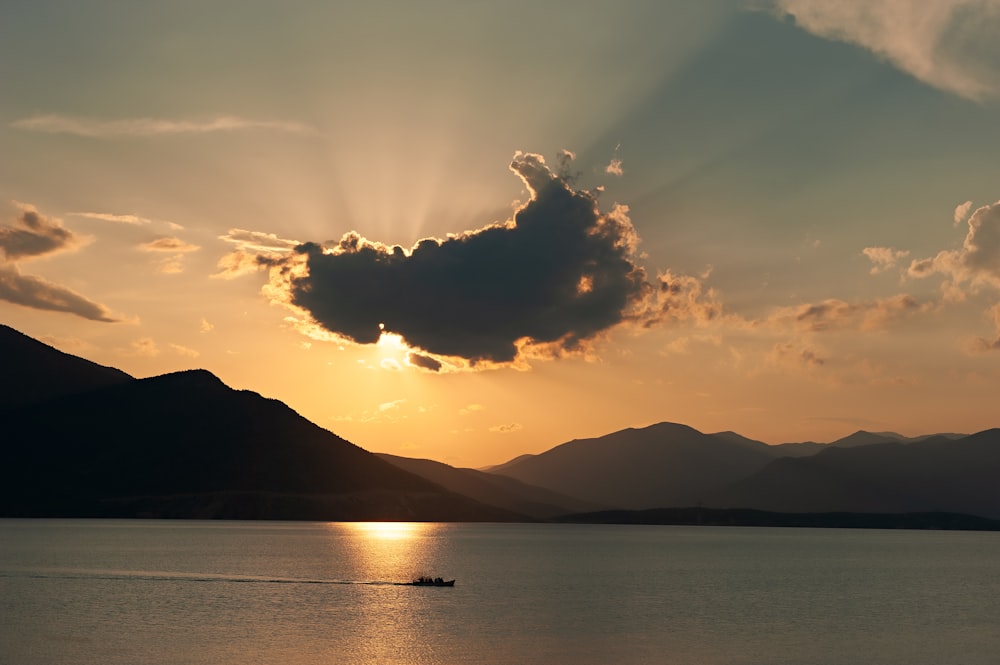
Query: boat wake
x,y
170,576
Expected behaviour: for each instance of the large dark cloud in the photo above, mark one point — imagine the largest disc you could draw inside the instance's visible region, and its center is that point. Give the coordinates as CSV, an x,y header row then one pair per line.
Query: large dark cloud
x,y
558,274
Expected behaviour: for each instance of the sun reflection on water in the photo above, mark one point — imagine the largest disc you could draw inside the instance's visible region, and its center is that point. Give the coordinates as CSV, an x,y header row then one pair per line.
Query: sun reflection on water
x,y
390,530
391,551
392,624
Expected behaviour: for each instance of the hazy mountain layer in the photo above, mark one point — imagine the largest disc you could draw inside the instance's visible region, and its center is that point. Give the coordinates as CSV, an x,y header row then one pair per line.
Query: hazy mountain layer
x,y
661,465
496,490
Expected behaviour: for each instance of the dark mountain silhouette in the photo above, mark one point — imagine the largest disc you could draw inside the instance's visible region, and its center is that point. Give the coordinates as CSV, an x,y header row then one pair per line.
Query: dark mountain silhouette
x,y
34,372
186,445
79,439
859,438
495,490
934,474
700,516
661,465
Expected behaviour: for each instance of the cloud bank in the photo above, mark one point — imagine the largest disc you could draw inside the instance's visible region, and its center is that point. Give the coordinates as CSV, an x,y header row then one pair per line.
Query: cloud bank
x,y
948,44
547,282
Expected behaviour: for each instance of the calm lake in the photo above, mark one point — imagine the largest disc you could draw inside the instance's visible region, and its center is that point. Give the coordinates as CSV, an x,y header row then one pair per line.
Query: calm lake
x,y
175,592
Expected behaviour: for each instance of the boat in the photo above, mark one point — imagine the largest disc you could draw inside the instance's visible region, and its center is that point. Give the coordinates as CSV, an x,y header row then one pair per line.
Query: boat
x,y
431,581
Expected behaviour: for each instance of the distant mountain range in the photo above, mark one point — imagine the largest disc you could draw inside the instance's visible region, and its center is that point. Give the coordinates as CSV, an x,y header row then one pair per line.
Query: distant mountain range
x,y
81,439
670,465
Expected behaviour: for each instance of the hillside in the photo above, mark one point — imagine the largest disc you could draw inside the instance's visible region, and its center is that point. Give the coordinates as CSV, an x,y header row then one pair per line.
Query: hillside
x,y
933,474
34,372
661,465
495,490
186,445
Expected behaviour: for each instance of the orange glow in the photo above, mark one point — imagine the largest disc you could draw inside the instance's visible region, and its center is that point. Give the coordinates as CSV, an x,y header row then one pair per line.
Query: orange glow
x,y
391,530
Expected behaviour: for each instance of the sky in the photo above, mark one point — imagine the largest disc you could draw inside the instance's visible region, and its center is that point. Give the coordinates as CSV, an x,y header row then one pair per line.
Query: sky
x,y
467,231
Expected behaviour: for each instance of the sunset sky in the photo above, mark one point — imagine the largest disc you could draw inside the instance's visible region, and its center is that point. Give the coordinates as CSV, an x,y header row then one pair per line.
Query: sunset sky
x,y
471,230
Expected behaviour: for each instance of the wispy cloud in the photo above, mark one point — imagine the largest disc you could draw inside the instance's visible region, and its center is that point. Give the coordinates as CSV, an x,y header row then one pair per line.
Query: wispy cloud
x,y
177,248
948,44
110,217
506,429
31,235
883,258
168,244
835,314
37,293
54,123
982,344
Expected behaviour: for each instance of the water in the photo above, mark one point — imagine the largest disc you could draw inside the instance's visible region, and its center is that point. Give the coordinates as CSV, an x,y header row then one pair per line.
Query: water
x,y
159,592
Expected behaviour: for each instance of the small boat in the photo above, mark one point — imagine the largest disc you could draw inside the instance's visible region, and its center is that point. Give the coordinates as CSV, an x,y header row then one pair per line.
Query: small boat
x,y
431,581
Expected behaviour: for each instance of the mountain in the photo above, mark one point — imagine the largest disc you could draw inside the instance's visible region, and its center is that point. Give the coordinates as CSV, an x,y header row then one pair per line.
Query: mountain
x,y
933,474
702,516
34,372
859,438
186,445
662,465
495,490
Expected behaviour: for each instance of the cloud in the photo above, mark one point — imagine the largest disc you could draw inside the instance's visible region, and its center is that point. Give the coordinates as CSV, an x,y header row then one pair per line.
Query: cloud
x,y
977,262
168,245
384,412
183,350
424,362
170,265
983,345
54,123
31,235
144,346
948,44
834,314
962,212
884,258
547,282
790,354
471,408
614,167
505,429
255,251
109,217
679,298
38,293
206,326
258,241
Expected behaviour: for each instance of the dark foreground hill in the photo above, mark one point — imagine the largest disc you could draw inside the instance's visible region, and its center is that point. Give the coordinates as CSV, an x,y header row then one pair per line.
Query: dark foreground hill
x,y
34,372
185,445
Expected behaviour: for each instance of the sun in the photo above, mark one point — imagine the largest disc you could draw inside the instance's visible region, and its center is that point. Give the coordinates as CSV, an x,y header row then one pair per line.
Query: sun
x,y
392,350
